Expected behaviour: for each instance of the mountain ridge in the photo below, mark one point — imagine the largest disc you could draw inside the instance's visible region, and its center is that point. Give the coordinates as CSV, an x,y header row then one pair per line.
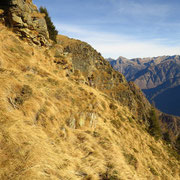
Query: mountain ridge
x,y
154,76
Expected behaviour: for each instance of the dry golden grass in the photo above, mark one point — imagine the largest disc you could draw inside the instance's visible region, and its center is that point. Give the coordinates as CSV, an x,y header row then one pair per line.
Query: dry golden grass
x,y
56,128
38,15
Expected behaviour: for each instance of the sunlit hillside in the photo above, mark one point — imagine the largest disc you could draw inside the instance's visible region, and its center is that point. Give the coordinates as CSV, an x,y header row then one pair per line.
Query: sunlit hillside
x,y
55,125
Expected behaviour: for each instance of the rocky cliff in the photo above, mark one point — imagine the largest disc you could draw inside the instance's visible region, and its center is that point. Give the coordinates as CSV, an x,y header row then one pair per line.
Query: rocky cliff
x,y
25,20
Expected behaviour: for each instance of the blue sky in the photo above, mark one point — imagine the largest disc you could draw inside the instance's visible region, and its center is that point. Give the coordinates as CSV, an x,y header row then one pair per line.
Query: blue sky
x,y
129,28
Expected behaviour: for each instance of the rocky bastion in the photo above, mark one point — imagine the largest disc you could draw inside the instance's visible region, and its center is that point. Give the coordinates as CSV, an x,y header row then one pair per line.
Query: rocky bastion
x,y
25,20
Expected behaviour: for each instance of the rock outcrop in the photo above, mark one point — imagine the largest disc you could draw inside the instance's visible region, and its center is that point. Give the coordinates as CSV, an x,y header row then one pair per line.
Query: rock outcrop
x,y
98,73
25,19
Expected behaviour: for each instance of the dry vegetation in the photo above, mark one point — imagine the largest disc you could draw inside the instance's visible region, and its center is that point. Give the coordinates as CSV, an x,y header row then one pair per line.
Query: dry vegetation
x,y
53,127
37,15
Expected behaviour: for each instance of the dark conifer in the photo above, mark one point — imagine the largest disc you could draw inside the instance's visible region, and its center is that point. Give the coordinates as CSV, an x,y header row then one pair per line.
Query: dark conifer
x,y
51,28
154,128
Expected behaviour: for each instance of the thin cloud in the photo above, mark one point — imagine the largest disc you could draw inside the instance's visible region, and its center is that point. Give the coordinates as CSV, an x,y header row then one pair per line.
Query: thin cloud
x,y
144,8
115,45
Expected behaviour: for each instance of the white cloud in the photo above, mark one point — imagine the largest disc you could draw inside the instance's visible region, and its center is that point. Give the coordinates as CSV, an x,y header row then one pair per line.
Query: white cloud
x,y
115,45
142,8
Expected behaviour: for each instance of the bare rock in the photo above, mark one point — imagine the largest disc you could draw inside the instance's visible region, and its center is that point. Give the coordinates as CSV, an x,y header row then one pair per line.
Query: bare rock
x,y
25,19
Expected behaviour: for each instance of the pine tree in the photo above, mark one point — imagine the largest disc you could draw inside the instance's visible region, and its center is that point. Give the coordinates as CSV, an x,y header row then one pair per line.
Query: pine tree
x,y
154,128
51,28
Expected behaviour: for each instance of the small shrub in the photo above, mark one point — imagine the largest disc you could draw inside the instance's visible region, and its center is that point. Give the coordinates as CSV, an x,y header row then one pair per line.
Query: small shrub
x,y
130,119
116,123
81,89
26,91
109,176
166,137
153,171
135,150
154,150
12,50
19,100
113,106
96,134
25,94
53,82
119,114
131,159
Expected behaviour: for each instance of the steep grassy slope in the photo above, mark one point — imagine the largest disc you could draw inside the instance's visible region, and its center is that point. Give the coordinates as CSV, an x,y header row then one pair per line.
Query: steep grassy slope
x,y
55,125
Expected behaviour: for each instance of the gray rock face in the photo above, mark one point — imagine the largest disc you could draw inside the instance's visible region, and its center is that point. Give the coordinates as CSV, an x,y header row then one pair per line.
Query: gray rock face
x,y
25,19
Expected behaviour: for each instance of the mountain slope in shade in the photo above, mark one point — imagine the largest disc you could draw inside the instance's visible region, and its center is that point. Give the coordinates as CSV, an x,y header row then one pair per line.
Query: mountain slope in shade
x,y
157,77
169,101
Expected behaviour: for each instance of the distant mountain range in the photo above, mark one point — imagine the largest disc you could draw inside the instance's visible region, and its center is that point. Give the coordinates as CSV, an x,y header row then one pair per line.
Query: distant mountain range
x,y
158,77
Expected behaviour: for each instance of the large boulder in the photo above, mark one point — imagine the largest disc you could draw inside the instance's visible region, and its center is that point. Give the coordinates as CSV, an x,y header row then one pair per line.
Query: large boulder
x,y
25,19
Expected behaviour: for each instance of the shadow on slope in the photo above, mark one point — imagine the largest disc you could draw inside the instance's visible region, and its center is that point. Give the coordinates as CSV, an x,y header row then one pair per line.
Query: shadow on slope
x,y
169,101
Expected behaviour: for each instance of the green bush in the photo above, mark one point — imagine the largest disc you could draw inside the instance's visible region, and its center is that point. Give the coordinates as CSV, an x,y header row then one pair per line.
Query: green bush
x,y
51,28
154,127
